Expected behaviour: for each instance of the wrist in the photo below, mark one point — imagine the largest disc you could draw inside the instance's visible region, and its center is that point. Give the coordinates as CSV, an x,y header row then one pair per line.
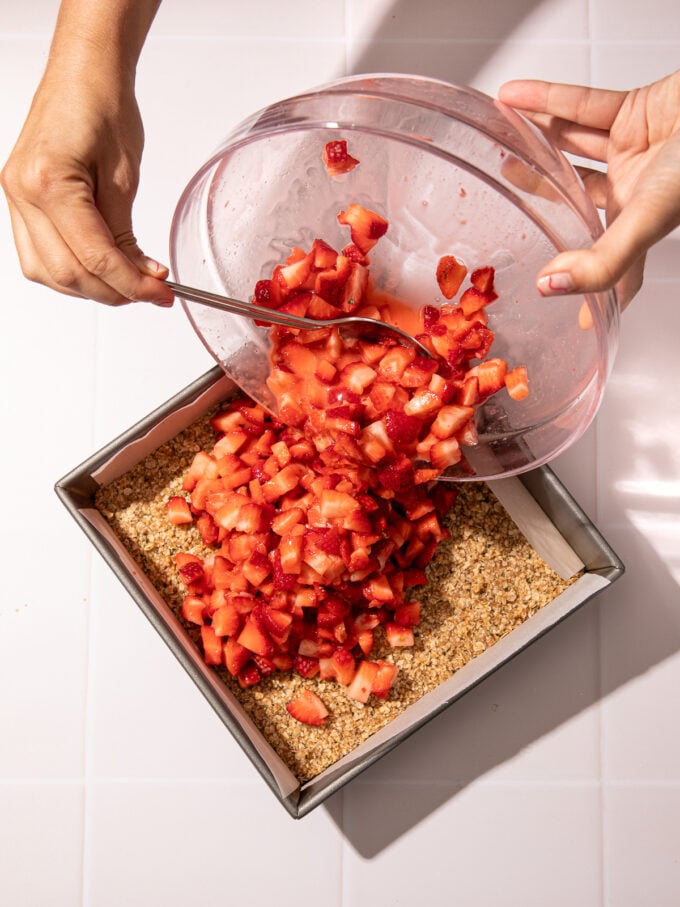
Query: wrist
x,y
100,38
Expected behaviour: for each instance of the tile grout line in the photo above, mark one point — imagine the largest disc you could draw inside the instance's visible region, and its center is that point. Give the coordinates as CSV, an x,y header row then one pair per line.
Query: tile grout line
x,y
598,615
89,706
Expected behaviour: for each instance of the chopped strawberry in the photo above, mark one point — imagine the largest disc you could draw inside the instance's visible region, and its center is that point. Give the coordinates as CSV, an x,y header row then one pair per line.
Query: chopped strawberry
x,y
308,709
212,646
482,279
384,679
362,684
178,510
366,227
192,610
398,636
450,275
336,159
517,383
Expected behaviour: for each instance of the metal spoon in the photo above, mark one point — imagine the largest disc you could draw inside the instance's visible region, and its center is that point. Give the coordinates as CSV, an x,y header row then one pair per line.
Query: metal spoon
x,y
349,326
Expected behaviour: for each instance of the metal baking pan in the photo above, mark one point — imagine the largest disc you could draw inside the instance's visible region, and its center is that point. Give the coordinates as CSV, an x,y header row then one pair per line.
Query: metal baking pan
x,y
537,501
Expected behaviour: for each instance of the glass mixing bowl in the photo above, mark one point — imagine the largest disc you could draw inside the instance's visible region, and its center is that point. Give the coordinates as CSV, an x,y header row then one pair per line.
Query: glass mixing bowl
x,y
455,173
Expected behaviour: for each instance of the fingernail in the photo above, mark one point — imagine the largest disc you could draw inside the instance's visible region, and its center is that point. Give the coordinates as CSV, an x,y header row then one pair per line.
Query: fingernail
x,y
163,303
555,284
154,266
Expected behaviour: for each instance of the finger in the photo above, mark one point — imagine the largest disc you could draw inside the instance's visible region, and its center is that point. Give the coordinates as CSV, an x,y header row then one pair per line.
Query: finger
x,y
616,255
85,232
571,137
115,207
596,185
593,107
47,259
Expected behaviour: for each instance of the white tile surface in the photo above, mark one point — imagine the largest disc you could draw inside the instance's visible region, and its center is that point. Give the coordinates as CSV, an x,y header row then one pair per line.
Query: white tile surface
x,y
147,718
206,843
41,842
520,846
554,782
642,836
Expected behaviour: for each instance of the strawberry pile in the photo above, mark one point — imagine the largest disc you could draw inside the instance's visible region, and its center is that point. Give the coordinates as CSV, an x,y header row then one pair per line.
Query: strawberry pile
x,y
309,560
322,522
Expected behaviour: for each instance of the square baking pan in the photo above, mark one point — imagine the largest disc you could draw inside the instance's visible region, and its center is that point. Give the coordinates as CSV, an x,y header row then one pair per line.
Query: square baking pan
x,y
537,502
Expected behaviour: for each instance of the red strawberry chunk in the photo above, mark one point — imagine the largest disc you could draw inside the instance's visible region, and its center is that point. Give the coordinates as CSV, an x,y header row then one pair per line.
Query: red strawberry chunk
x,y
366,227
336,158
517,383
362,684
308,709
212,646
482,279
178,511
320,520
450,275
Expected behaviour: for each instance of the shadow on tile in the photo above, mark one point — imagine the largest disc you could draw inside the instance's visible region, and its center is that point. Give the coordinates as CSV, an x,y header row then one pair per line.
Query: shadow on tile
x,y
477,30
552,683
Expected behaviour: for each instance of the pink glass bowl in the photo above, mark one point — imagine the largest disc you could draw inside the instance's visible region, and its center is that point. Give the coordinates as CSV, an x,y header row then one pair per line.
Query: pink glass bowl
x,y
455,173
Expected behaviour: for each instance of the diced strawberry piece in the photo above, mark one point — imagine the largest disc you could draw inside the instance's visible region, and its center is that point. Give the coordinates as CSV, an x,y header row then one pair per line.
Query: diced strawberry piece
x,y
324,255
290,550
468,395
190,568
517,383
407,614
192,609
336,158
402,429
354,253
268,295
473,300
264,665
451,419
235,656
491,376
336,505
308,709
378,589
450,275
294,274
423,403
393,364
253,638
283,482
249,675
178,510
226,620
357,376
202,466
313,648
482,279
343,666
275,621
366,227
398,636
355,288
306,665
445,453
212,646
320,310
365,641
362,683
384,679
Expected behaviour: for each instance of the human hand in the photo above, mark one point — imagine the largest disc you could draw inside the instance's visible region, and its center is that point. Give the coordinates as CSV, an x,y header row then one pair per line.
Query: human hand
x,y
637,135
72,177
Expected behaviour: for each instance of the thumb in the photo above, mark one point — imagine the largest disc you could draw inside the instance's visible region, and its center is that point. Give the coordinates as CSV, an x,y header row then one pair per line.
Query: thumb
x,y
617,258
116,209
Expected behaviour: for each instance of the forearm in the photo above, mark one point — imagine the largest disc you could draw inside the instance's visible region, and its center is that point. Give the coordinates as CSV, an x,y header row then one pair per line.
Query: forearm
x,y
100,36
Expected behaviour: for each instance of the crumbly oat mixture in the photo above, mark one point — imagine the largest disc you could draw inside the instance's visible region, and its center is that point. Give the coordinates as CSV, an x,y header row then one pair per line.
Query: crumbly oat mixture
x,y
485,580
